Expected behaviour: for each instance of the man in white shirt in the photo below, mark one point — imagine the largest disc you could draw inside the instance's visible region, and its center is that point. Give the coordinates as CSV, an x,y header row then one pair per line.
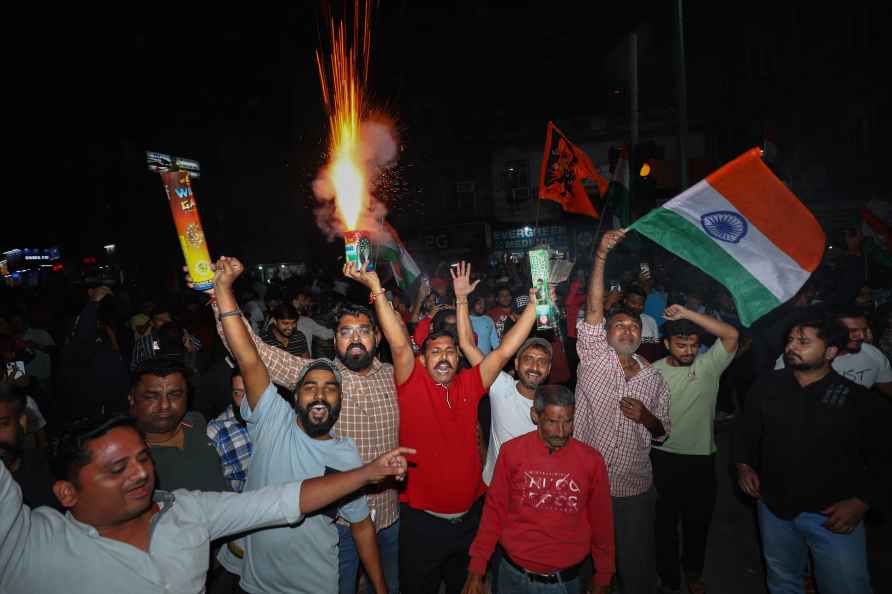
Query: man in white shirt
x,y
861,362
120,534
633,299
303,302
509,398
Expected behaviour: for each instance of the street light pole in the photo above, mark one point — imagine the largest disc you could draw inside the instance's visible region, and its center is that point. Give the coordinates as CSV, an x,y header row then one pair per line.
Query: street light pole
x,y
681,88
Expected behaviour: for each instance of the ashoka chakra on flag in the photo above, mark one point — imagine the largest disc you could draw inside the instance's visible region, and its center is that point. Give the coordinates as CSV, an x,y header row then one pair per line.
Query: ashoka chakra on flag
x,y
743,227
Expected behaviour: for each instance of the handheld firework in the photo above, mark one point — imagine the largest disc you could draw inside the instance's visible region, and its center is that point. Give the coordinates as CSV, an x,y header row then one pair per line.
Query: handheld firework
x,y
176,174
539,272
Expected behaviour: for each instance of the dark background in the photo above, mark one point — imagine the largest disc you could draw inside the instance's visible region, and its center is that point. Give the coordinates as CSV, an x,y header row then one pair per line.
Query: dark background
x,y
236,88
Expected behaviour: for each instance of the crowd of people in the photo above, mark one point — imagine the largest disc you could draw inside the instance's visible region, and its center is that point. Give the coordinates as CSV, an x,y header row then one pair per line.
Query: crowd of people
x,y
330,435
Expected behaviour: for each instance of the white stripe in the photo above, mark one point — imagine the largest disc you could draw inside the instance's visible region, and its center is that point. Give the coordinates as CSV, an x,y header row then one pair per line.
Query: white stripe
x,y
769,264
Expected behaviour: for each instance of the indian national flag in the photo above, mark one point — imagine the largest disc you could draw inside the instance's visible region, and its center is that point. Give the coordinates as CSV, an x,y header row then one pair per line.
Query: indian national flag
x,y
391,249
743,227
877,228
617,197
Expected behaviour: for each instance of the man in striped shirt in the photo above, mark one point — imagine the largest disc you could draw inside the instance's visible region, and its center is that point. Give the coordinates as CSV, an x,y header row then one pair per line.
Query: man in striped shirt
x,y
282,331
622,405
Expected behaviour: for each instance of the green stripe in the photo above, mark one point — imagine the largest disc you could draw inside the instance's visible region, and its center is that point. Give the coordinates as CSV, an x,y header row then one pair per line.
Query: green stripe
x,y
685,240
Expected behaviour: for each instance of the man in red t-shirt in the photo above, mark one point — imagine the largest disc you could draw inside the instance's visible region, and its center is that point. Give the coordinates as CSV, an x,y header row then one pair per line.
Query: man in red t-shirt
x,y
502,310
441,504
548,507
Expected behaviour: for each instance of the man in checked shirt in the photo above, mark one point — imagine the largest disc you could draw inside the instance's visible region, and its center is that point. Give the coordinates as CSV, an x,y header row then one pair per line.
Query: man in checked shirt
x,y
369,416
622,405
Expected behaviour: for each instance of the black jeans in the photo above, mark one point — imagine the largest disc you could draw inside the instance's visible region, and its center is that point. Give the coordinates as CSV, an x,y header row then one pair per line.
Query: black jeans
x,y
686,489
434,549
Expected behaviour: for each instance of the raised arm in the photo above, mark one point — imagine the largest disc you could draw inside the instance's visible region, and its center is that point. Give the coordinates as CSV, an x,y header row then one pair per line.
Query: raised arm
x,y
283,367
594,309
391,325
14,526
86,322
511,342
253,370
727,333
462,286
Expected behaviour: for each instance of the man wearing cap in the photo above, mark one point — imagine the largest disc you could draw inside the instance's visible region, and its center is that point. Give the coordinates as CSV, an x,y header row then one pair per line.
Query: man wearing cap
x,y
440,508
288,447
509,398
368,415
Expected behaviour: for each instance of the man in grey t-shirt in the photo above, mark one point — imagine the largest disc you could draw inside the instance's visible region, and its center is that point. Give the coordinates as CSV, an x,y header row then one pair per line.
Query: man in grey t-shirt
x,y
288,447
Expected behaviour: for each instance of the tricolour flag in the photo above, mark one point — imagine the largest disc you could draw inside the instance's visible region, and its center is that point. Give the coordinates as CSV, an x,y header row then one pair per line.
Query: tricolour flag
x,y
744,228
392,250
564,166
617,198
877,229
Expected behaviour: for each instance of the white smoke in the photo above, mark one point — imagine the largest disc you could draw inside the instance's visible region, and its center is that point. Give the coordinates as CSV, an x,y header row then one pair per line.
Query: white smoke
x,y
377,152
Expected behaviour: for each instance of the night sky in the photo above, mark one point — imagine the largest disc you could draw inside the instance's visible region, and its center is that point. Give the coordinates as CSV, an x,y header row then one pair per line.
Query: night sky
x,y
237,90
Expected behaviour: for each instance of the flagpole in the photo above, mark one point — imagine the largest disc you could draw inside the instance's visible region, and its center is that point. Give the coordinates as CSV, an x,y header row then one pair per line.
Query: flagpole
x,y
536,225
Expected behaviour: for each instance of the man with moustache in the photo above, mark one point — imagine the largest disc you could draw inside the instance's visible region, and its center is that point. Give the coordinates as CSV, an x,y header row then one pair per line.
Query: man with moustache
x,y
812,448
440,508
548,509
289,446
684,464
369,416
622,405
282,331
122,535
28,466
859,361
184,456
510,399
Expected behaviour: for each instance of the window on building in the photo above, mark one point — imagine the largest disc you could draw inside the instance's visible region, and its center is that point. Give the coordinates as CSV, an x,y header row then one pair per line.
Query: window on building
x,y
517,181
465,194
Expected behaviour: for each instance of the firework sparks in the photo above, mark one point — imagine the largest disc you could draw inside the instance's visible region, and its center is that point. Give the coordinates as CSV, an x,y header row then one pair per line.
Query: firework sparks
x,y
344,76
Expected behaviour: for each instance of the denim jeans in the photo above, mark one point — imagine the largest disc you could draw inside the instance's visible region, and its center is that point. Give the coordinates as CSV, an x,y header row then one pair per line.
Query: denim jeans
x,y
389,547
513,581
840,559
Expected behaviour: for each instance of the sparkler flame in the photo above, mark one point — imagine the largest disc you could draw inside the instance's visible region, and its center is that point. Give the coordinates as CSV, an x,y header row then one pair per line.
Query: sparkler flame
x,y
343,80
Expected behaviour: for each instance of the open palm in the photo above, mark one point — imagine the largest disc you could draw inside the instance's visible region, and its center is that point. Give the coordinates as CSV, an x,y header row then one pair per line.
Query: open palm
x,y
461,280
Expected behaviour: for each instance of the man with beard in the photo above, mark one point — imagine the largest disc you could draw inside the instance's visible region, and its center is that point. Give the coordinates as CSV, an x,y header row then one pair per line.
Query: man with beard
x,y
634,299
859,361
282,331
229,434
122,535
510,399
684,464
440,508
28,466
289,446
184,456
812,448
369,416
622,405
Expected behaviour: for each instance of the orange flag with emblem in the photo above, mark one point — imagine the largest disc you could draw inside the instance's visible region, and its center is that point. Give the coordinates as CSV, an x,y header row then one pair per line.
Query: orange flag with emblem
x,y
564,166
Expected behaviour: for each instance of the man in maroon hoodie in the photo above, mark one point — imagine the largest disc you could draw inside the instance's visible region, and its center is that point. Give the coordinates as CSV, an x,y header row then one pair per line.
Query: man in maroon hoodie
x,y
548,507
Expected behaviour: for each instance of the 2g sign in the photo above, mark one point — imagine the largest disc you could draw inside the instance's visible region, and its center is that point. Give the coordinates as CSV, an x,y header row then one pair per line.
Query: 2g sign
x,y
436,241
